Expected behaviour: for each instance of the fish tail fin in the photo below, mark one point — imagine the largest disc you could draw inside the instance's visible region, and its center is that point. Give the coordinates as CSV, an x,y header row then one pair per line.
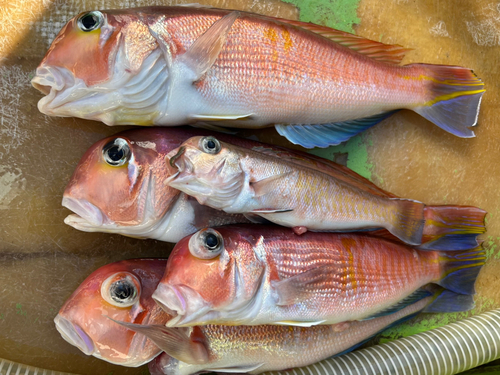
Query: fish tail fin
x,y
452,227
460,269
408,221
456,94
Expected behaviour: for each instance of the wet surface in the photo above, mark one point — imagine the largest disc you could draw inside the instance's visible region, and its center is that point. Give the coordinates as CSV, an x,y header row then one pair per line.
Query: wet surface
x,y
42,260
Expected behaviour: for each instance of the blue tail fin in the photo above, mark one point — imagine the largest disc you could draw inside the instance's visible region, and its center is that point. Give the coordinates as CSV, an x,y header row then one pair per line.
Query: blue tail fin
x,y
457,94
460,270
448,302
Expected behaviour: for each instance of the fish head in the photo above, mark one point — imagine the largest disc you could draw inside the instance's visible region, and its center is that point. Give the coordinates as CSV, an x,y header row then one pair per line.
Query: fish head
x,y
211,276
207,169
121,291
97,66
164,365
118,184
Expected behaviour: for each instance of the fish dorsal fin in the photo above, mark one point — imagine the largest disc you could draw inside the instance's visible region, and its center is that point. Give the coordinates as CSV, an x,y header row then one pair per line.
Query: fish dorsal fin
x,y
388,53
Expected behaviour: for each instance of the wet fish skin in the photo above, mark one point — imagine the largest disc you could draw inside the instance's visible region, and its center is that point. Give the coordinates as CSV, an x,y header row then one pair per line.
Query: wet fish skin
x,y
269,275
177,65
239,180
83,319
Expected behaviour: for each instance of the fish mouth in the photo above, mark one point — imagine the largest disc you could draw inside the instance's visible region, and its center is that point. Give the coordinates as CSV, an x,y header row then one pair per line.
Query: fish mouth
x,y
181,302
86,213
73,334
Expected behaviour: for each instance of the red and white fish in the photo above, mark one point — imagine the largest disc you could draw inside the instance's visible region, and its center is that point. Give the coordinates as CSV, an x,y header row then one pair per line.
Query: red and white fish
x,y
178,65
122,292
269,275
263,186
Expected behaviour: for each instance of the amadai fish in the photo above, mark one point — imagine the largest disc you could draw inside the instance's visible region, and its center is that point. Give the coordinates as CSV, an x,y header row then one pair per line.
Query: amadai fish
x,y
121,293
177,65
269,275
263,186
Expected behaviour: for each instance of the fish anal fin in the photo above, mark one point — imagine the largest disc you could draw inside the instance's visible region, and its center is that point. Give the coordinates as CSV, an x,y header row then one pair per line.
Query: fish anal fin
x,y
416,296
237,369
388,53
202,54
300,287
174,341
268,184
325,135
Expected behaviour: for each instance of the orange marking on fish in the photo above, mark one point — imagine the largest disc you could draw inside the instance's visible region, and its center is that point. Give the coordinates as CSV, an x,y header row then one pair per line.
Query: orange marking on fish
x,y
288,40
271,34
348,243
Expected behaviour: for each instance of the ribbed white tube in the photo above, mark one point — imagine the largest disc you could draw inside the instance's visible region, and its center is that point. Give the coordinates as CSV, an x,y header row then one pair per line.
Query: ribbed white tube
x,y
14,368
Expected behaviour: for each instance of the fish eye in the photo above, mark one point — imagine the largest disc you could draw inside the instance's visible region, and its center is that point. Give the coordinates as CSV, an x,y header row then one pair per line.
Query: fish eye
x,y
210,145
117,152
206,244
90,21
121,290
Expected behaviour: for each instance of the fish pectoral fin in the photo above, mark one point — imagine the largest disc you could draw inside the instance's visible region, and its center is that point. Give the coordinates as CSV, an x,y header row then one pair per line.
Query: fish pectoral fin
x,y
237,369
202,54
271,210
301,287
325,135
212,127
174,341
300,324
266,185
416,296
220,117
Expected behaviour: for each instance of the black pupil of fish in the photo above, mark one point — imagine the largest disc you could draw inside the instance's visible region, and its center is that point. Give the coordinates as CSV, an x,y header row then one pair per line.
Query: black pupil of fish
x,y
122,290
210,144
89,21
116,153
211,241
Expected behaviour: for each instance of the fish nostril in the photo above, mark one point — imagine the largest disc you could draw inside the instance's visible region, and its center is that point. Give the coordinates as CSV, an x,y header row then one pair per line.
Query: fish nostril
x,y
73,334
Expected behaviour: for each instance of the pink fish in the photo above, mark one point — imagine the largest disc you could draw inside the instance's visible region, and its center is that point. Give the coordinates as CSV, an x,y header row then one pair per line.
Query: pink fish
x,y
269,275
262,186
177,65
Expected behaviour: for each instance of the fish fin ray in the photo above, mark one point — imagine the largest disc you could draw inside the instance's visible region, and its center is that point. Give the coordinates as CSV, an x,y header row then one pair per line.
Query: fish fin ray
x,y
237,369
268,184
173,341
388,53
449,302
202,117
460,269
325,135
256,219
300,287
416,296
300,324
457,94
202,54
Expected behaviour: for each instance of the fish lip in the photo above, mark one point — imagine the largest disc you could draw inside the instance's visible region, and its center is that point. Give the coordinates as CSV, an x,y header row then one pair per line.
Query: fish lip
x,y
183,303
85,210
75,335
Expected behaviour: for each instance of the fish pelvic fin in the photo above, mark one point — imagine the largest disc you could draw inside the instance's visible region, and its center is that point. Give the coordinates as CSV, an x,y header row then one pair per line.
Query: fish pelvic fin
x,y
452,227
456,98
173,341
460,269
408,221
325,135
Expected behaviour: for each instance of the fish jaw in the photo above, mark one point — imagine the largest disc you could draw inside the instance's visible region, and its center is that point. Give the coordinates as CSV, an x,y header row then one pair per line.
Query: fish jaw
x,y
87,214
126,97
73,334
182,302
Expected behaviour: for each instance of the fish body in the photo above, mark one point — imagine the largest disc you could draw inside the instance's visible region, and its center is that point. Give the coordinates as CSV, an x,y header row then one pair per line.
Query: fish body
x,y
270,275
239,180
178,65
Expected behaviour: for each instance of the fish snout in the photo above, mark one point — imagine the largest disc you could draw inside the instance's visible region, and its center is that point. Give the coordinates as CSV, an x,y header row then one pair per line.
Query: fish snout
x,y
73,334
180,301
85,210
47,78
